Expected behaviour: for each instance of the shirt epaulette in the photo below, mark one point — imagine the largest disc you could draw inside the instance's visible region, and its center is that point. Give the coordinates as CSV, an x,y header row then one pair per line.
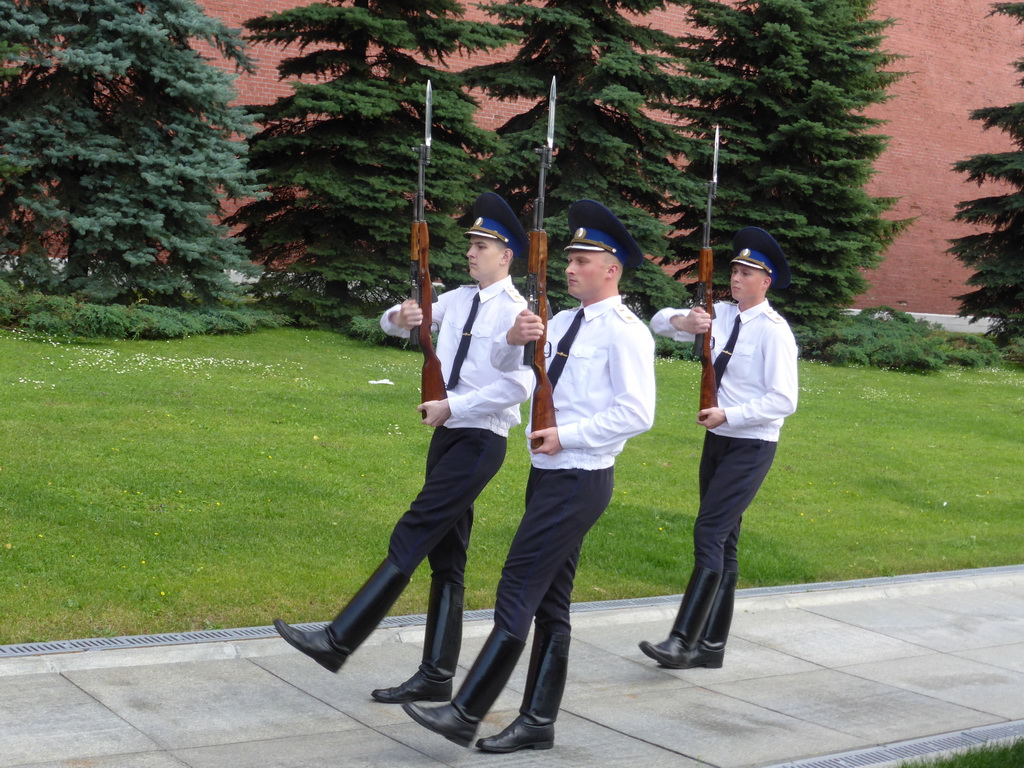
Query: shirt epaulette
x,y
626,313
513,293
774,316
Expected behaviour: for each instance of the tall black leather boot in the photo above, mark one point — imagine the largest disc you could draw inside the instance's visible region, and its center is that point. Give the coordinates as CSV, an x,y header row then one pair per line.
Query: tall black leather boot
x,y
331,646
458,720
441,645
678,651
545,682
711,648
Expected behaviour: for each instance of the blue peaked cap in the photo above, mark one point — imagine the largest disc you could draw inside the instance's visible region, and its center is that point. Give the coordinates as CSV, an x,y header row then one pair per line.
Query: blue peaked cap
x,y
756,248
595,228
493,218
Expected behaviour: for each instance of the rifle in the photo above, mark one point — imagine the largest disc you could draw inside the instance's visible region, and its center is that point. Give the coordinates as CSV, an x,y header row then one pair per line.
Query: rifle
x,y
542,414
431,381
703,342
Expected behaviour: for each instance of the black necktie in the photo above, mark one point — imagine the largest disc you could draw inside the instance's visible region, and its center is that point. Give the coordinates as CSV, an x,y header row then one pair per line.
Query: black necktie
x,y
467,336
562,353
723,357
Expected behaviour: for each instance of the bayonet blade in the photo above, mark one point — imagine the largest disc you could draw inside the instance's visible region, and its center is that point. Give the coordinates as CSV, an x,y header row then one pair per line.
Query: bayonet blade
x,y
430,113
714,170
551,115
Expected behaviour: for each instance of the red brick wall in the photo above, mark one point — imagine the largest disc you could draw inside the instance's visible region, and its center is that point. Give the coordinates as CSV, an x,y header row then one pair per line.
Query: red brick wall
x,y
263,87
958,58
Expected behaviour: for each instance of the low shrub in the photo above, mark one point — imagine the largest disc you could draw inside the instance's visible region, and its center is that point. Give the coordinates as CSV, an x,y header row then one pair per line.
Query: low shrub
x,y
971,350
675,350
882,337
368,329
1014,352
68,317
7,297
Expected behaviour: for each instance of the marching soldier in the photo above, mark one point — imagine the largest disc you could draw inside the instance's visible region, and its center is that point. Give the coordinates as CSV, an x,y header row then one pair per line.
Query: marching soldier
x,y
467,449
603,378
757,379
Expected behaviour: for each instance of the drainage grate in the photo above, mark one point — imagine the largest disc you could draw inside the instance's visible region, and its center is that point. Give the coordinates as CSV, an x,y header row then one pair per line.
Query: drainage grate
x,y
256,633
135,641
915,748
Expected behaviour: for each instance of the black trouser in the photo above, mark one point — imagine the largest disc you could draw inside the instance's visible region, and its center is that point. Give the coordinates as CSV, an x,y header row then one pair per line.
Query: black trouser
x,y
731,472
460,463
561,506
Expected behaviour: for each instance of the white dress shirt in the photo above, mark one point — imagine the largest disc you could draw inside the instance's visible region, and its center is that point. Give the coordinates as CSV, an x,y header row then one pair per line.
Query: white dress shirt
x,y
484,398
606,392
759,388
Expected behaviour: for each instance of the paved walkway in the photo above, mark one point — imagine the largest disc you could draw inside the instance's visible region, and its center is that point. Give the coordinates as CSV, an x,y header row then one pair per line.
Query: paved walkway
x,y
849,674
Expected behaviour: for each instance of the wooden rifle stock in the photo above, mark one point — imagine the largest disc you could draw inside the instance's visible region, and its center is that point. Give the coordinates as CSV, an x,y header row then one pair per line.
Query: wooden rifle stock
x,y
702,341
542,414
431,381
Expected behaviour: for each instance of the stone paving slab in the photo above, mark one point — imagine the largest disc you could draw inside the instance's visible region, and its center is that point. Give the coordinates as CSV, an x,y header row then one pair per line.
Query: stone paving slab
x,y
351,749
808,674
954,622
983,687
48,718
867,709
134,760
349,690
208,702
820,640
369,668
746,659
580,743
593,671
1005,656
715,729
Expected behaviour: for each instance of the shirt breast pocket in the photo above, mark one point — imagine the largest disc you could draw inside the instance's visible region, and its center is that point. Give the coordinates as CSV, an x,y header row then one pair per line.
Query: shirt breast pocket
x,y
449,323
483,329
743,349
583,359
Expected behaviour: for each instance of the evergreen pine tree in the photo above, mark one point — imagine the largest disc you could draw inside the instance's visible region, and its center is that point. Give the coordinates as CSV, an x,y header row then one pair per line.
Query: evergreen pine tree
x,y
998,254
126,140
339,153
788,81
7,57
616,77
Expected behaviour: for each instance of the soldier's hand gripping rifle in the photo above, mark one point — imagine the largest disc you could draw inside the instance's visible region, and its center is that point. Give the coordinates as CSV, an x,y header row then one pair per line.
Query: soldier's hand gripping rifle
x,y
543,408
702,342
431,380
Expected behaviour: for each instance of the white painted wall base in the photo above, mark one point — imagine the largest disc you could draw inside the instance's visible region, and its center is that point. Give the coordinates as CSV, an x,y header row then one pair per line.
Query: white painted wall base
x,y
953,323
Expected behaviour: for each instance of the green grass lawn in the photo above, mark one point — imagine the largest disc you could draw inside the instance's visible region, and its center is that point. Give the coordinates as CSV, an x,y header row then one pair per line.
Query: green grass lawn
x,y
223,481
1005,755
